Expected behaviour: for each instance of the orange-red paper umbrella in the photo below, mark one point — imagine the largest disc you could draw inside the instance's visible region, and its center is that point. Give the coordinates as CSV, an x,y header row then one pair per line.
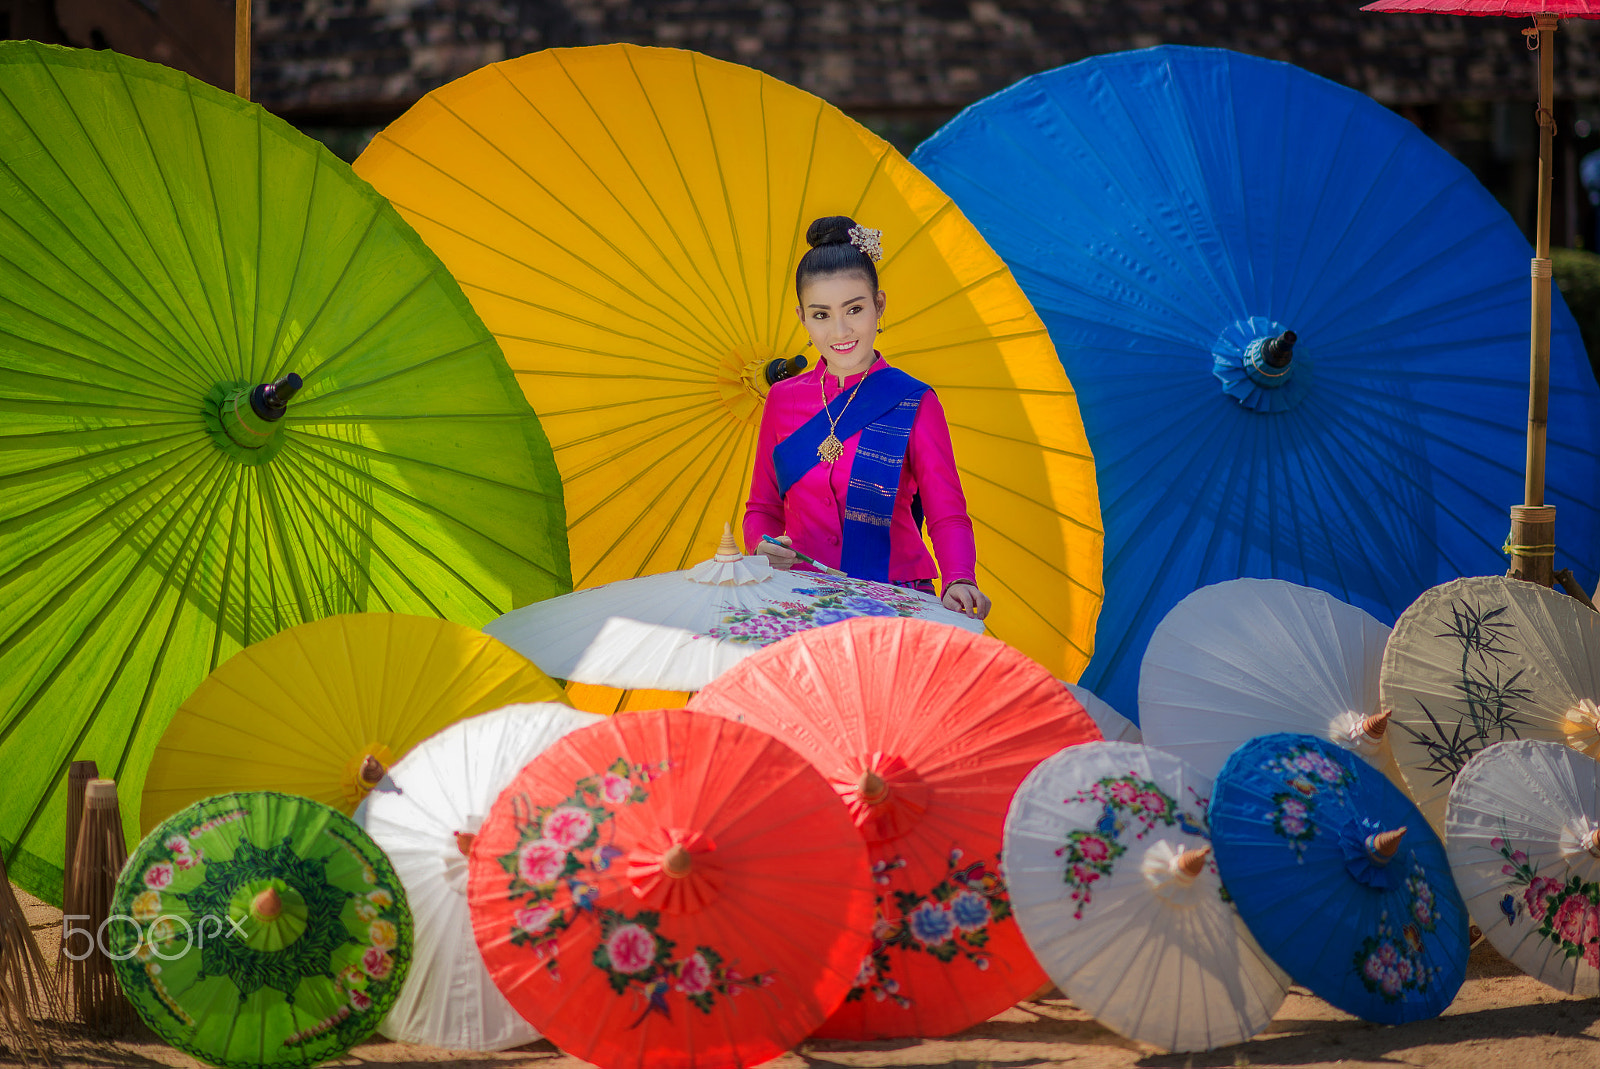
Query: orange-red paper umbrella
x,y
926,731
669,889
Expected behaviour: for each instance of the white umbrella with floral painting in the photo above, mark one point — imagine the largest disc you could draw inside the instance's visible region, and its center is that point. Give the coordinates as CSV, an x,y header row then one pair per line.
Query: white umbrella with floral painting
x,y
425,814
1107,854
678,631
1523,828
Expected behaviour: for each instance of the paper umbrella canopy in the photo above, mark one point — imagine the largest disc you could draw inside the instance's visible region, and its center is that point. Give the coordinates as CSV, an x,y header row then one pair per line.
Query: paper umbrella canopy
x,y
925,731
668,889
425,815
627,221
258,929
1107,855
167,498
1172,210
1252,657
680,630
1483,660
1339,878
322,709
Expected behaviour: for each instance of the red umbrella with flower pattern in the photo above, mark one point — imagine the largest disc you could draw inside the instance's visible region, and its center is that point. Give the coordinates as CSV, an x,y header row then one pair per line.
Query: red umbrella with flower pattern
x,y
670,889
926,731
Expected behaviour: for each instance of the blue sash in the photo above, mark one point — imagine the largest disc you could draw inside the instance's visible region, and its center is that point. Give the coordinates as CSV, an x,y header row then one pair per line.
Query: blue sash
x,y
882,412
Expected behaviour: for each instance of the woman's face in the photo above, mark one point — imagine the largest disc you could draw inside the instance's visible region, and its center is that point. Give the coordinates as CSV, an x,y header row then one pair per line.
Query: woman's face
x,y
841,314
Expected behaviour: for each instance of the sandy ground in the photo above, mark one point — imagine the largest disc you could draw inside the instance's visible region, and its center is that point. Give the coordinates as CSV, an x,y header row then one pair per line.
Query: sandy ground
x,y
1500,1018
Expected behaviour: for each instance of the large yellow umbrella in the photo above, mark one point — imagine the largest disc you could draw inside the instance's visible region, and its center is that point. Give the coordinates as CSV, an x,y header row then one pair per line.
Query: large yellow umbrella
x,y
321,709
627,222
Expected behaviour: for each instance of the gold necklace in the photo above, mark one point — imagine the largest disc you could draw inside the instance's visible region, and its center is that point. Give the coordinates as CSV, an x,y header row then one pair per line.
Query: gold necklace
x,y
831,448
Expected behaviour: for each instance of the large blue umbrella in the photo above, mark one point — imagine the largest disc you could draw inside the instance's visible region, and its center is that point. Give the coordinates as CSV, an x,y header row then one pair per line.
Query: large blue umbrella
x,y
1169,212
1339,878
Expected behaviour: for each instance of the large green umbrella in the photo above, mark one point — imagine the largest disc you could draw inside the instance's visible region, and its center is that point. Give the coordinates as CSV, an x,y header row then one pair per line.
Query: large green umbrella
x,y
258,929
166,250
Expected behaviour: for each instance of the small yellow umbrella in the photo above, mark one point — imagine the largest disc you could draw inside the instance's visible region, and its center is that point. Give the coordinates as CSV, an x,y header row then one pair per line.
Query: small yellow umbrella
x,y
627,222
303,711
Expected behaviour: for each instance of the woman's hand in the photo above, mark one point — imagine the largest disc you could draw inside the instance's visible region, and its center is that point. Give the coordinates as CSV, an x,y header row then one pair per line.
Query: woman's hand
x,y
967,600
781,557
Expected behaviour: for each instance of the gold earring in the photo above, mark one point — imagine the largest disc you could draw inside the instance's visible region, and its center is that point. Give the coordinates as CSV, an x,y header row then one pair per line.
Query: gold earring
x,y
880,328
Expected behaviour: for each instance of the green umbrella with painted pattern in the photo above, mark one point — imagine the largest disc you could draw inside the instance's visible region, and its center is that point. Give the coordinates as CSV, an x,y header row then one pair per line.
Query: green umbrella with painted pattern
x,y
259,929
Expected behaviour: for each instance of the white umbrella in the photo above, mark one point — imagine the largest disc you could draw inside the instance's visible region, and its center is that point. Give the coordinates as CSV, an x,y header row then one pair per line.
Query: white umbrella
x,y
1114,727
1253,657
1484,660
425,814
1106,855
678,631
1523,835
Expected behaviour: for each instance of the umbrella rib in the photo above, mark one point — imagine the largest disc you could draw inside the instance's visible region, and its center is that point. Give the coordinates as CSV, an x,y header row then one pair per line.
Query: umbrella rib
x,y
700,291
89,463
329,362
20,714
727,201
290,291
685,560
214,348
306,526
194,341
687,494
686,442
557,279
225,582
683,180
239,352
153,355
667,486
327,446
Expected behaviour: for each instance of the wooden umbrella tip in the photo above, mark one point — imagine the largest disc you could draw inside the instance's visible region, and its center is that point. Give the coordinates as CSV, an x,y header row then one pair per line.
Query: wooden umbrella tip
x,y
1375,725
1192,862
872,788
1385,844
728,548
372,771
100,792
677,862
464,841
267,905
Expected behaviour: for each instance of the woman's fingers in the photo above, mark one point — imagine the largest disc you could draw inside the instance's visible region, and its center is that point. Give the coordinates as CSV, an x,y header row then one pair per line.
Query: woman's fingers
x,y
967,600
778,555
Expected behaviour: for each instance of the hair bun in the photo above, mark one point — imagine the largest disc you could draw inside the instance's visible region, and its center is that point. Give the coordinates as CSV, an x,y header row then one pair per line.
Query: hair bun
x,y
829,230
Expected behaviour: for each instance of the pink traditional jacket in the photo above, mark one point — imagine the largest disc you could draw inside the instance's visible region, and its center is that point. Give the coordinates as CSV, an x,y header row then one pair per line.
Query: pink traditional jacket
x,y
812,514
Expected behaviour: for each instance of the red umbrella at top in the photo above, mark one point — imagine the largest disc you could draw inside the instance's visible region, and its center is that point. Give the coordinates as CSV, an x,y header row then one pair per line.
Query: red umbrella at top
x,y
1533,523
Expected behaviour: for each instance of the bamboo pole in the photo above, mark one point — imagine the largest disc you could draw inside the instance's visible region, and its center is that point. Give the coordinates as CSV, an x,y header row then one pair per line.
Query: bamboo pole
x,y
1532,543
241,48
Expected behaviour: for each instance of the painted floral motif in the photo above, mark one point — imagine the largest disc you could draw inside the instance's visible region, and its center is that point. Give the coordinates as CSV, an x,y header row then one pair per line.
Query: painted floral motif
x,y
557,845
952,920
831,600
635,956
1126,802
1307,774
1392,962
1567,912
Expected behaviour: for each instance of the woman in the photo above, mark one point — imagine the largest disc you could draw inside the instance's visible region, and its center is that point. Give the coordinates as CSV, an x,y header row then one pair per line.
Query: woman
x,y
850,450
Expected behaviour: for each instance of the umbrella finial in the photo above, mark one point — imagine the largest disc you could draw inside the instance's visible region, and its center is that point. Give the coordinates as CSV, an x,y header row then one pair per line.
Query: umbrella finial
x,y
267,905
1191,862
1375,725
464,841
372,771
728,549
872,788
780,369
270,400
677,862
1384,845
1278,351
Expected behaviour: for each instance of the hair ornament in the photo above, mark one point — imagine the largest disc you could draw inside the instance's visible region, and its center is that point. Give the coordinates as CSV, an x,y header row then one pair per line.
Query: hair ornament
x,y
868,240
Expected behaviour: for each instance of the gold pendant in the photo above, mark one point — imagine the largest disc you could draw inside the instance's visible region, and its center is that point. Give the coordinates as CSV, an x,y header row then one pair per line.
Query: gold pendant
x,y
830,450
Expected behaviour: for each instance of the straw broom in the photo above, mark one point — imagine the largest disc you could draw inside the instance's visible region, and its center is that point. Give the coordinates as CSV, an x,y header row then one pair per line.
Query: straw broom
x,y
27,991
94,997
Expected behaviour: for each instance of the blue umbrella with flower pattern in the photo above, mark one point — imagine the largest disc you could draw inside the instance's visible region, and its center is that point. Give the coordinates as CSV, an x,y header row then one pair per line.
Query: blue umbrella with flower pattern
x,y
1340,878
